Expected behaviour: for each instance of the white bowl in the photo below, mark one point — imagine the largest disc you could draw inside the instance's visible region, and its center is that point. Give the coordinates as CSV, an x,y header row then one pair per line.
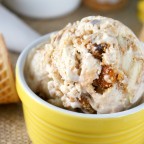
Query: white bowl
x,y
43,8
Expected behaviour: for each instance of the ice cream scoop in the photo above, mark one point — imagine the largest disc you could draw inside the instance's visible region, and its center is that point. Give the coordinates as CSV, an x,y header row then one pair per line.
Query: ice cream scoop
x,y
95,65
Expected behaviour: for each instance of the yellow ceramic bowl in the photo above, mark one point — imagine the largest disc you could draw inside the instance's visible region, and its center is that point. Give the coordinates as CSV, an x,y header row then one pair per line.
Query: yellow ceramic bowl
x,y
141,10
48,124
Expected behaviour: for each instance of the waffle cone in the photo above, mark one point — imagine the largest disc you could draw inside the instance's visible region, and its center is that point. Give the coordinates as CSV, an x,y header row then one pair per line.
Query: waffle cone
x,y
8,92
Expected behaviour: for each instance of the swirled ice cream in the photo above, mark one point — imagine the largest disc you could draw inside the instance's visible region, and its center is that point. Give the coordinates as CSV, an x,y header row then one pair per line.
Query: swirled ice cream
x,y
95,65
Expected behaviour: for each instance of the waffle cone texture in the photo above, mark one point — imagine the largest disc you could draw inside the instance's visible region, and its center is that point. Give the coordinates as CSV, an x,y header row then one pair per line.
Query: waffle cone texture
x,y
8,92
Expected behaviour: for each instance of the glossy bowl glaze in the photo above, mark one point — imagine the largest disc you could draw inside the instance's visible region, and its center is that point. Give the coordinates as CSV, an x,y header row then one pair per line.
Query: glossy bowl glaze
x,y
48,124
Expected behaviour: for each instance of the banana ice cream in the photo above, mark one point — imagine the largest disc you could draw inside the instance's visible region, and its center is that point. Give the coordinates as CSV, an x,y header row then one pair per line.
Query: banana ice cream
x,y
95,65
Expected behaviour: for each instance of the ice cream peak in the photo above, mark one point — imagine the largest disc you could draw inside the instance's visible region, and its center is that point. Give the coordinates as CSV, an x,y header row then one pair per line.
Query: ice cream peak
x,y
95,65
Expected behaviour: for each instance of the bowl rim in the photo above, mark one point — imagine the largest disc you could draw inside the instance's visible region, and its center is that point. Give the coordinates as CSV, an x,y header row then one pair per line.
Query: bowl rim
x,y
20,76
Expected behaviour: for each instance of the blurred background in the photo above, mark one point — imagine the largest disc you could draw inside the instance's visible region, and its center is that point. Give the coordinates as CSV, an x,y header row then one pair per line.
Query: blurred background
x,y
22,21
19,17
